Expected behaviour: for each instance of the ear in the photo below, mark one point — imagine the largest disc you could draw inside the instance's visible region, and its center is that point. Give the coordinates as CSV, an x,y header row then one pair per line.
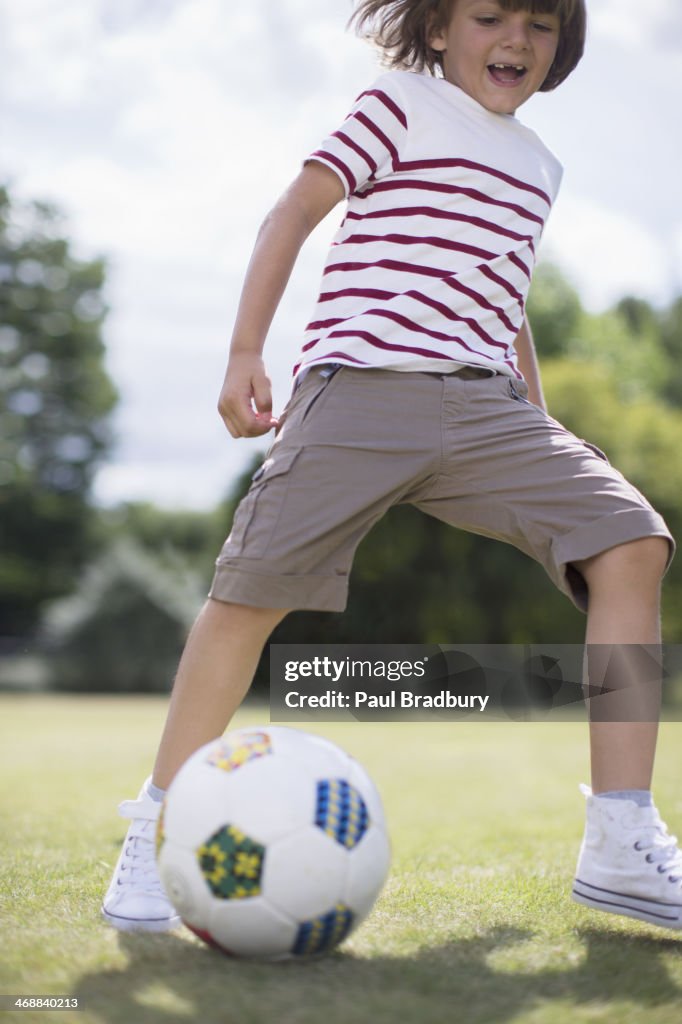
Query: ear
x,y
436,38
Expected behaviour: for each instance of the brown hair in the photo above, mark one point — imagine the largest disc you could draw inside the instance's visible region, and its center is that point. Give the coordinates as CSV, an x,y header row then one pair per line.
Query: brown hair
x,y
402,29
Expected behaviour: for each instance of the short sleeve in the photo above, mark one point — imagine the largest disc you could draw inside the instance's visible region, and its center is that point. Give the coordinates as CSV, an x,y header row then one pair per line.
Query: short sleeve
x,y
369,142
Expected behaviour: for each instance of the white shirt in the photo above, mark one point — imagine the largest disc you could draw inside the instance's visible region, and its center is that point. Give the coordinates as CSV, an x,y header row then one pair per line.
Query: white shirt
x,y
431,266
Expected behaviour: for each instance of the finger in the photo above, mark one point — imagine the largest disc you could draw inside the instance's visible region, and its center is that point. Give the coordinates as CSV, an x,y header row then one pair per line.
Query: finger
x,y
237,413
262,397
231,426
253,426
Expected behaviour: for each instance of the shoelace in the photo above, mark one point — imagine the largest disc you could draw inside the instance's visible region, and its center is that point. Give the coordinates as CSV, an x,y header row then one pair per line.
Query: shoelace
x,y
666,853
663,851
138,866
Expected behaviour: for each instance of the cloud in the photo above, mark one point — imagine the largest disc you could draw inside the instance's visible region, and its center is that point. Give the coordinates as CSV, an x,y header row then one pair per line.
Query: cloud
x,y
607,253
636,25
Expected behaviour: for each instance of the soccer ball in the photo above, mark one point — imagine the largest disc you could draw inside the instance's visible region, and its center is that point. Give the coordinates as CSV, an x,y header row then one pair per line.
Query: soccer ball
x,y
272,843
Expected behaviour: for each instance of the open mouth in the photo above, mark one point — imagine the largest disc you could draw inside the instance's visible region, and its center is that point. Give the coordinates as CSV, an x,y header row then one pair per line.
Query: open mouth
x,y
507,74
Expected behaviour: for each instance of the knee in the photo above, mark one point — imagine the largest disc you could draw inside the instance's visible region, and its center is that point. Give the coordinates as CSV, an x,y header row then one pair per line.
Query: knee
x,y
240,616
638,563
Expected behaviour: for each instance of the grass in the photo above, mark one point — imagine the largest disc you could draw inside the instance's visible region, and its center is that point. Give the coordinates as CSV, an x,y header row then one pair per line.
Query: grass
x,y
475,924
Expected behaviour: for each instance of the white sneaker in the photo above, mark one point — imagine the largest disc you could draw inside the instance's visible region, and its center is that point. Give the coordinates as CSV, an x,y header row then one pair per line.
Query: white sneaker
x,y
628,863
135,899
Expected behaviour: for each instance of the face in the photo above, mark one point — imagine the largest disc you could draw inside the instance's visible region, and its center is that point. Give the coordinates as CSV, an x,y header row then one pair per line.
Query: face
x,y
499,58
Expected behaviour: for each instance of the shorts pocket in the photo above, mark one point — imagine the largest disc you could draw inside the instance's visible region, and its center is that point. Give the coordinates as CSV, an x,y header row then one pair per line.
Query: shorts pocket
x,y
516,395
326,375
595,450
306,395
257,514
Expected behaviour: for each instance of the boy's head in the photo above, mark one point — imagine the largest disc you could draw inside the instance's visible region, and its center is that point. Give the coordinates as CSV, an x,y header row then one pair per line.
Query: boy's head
x,y
411,32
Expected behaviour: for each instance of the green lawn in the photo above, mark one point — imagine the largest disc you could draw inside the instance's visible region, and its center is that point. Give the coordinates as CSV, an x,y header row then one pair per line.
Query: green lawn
x,y
475,923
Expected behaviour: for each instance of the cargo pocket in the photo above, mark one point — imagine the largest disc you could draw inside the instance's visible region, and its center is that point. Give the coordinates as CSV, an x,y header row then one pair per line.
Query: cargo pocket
x,y
257,515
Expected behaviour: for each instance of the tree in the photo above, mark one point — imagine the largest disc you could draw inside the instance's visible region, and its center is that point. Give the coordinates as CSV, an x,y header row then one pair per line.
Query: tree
x,y
55,400
628,347
554,311
670,321
640,436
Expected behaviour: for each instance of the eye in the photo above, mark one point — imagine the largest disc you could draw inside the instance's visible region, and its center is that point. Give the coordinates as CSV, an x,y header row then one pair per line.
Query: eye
x,y
541,26
487,19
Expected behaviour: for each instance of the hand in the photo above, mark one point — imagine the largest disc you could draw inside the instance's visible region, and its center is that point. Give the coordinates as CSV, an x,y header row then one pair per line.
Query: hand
x,y
245,402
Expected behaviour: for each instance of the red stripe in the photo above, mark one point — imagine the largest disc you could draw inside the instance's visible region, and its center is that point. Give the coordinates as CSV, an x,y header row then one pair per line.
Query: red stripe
x,y
419,165
388,102
388,265
509,288
404,321
352,144
513,258
322,154
430,211
377,132
481,300
413,268
328,355
450,314
376,293
411,325
433,240
322,325
379,343
360,293
472,193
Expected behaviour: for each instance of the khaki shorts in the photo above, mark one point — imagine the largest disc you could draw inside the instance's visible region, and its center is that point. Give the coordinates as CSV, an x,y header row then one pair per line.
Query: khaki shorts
x,y
472,452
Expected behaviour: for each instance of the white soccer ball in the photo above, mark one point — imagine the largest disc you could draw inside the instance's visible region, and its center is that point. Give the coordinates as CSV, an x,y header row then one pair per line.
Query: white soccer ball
x,y
272,843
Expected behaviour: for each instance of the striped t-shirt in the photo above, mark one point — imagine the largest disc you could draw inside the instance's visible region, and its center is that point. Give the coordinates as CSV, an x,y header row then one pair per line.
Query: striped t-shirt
x,y
431,266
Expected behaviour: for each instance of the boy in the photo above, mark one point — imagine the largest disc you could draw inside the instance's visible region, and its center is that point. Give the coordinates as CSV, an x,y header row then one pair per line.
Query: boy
x,y
413,386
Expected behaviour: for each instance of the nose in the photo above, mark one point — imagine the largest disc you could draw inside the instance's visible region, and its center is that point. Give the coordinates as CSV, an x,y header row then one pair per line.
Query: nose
x,y
517,35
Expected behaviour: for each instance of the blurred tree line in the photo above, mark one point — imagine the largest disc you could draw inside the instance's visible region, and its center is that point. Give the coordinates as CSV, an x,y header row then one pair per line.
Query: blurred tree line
x,y
131,579
55,400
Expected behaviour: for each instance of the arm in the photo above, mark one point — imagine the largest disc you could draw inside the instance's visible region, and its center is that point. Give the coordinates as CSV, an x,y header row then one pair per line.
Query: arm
x,y
528,364
311,196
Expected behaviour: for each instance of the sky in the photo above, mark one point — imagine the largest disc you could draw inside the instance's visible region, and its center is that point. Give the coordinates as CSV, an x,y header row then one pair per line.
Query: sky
x,y
166,129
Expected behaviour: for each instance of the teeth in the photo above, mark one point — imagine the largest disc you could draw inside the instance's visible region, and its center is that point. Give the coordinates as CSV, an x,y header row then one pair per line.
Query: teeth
x,y
516,67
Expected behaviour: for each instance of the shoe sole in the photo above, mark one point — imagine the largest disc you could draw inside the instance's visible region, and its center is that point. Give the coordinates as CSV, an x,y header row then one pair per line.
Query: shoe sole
x,y
129,924
665,915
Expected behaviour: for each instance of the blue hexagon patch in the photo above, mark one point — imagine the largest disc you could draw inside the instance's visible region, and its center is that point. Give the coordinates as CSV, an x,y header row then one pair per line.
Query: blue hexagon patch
x,y
341,812
323,933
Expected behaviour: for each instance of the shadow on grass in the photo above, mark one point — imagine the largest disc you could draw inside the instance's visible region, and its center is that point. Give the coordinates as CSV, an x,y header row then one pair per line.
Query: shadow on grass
x,y
170,979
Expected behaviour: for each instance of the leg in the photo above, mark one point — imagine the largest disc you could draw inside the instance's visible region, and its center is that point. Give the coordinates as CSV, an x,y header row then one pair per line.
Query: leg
x,y
628,862
214,674
297,528
624,609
